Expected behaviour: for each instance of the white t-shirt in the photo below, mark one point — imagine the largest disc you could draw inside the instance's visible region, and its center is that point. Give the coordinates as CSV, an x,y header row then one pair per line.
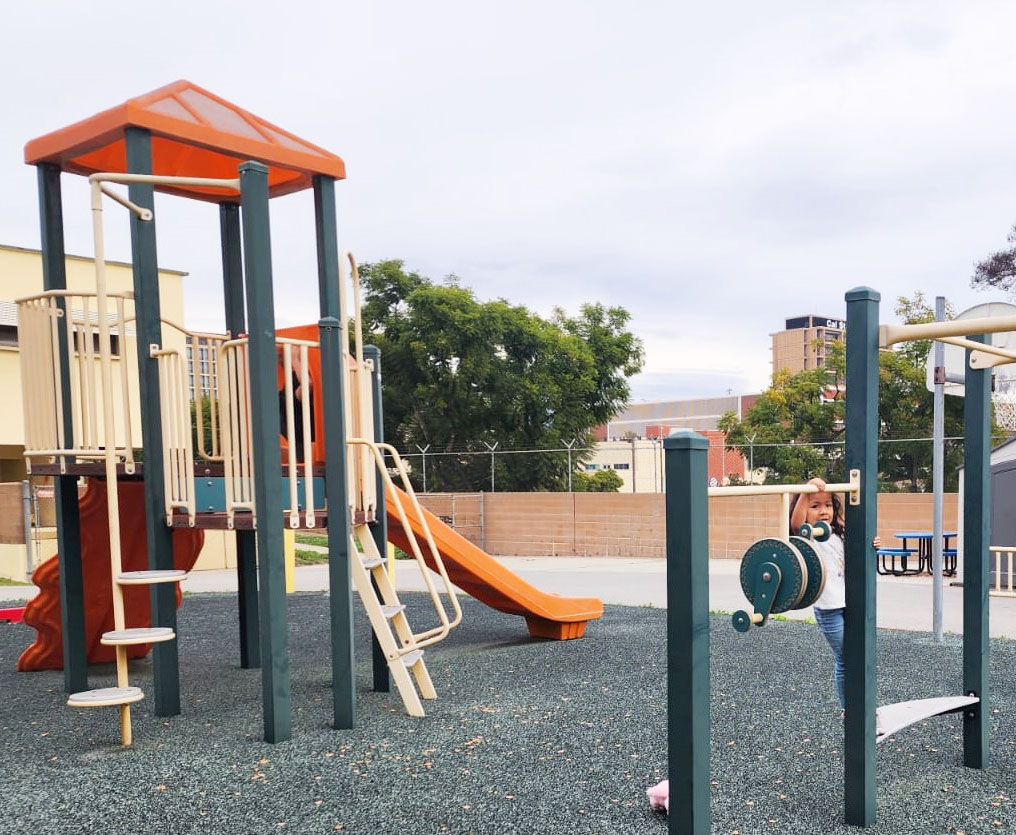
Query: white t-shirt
x,y
834,595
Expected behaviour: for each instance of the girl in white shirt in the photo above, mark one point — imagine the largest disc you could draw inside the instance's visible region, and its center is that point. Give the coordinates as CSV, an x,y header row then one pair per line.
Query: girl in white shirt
x,y
830,606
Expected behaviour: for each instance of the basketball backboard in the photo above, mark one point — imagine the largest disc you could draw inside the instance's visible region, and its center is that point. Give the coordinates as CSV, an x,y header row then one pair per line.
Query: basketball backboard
x,y
955,356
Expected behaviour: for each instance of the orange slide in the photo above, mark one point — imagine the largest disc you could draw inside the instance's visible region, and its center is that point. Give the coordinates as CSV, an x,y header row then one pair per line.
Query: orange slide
x,y
480,575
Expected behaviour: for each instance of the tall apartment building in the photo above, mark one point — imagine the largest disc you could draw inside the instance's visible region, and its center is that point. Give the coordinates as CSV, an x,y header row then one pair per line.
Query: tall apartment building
x,y
803,344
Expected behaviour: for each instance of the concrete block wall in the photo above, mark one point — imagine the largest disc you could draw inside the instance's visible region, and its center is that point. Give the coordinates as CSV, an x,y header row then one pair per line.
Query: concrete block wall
x,y
626,524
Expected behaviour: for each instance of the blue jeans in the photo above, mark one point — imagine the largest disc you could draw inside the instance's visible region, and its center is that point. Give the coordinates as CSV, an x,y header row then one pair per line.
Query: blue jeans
x,y
830,621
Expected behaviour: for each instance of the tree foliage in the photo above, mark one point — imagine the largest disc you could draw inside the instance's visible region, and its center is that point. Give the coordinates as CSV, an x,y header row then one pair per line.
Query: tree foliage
x,y
459,374
998,270
602,481
803,416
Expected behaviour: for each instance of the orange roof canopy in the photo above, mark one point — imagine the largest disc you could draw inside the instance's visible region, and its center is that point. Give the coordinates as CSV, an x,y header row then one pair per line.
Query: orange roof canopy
x,y
194,134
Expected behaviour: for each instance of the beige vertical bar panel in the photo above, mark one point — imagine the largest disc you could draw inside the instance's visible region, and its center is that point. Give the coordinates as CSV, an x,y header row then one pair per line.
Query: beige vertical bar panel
x,y
96,439
364,394
167,443
287,373
353,493
29,376
74,376
112,498
188,449
227,391
308,446
784,515
248,450
125,396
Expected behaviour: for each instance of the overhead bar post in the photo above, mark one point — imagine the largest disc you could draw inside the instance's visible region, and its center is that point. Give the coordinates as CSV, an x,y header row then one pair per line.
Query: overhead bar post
x,y
246,540
687,522
148,326
861,520
339,577
65,488
976,534
264,396
379,527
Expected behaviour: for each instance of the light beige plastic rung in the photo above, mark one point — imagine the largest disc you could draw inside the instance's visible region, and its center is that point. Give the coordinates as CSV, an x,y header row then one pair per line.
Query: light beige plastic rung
x,y
146,578
372,562
392,610
105,697
410,658
137,635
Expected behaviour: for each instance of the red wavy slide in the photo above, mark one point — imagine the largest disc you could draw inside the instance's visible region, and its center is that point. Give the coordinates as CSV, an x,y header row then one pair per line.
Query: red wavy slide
x,y
481,576
43,611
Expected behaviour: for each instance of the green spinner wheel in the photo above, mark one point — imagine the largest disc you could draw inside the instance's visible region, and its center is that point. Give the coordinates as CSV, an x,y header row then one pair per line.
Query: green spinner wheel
x,y
792,567
815,572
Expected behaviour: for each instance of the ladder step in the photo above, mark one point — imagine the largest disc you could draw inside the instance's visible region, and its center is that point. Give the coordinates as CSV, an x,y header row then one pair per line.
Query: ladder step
x,y
372,562
137,635
145,578
392,610
410,658
105,697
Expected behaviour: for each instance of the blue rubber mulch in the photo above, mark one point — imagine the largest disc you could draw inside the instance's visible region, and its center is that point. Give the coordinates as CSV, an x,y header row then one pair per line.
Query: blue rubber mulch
x,y
526,736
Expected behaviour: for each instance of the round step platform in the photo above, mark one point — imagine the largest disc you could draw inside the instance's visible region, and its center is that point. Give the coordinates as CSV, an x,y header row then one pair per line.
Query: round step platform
x,y
105,697
148,578
137,635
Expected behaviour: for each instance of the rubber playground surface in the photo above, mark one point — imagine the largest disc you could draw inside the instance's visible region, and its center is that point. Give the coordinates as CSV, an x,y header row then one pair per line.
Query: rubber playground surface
x,y
527,736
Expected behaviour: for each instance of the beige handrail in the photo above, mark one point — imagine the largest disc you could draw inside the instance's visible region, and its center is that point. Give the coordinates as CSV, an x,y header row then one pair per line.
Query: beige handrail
x,y
1009,589
438,633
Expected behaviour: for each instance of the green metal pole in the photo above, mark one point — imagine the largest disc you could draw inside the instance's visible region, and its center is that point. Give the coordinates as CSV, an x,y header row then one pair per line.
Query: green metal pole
x,y
275,675
65,488
246,545
379,528
976,538
148,326
687,519
341,596
859,617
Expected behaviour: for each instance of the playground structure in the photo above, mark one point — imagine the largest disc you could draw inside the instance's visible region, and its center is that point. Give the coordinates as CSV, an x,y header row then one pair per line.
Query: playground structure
x,y
288,438
688,578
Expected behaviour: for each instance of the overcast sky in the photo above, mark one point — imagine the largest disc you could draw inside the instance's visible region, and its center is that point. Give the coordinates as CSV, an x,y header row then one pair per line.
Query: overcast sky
x,y
714,168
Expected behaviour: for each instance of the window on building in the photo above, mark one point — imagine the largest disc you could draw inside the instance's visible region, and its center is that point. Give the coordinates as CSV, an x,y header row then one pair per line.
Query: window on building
x,y
622,466
592,466
8,334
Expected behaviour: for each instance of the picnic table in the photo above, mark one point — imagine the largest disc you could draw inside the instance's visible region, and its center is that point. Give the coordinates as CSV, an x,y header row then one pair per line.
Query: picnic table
x,y
925,539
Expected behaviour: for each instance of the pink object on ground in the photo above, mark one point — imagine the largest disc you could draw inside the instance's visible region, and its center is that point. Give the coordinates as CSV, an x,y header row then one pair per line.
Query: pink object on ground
x,y
659,795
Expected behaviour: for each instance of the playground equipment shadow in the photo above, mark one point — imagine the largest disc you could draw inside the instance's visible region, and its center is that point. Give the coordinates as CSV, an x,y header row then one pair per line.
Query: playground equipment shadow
x,y
527,736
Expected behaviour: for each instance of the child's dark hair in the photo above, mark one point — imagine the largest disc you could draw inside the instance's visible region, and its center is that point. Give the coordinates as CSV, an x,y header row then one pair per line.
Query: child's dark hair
x,y
837,523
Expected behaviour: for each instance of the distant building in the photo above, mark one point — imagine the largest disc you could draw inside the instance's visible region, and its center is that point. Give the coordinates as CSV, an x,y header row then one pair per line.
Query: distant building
x,y
803,345
639,461
201,365
700,414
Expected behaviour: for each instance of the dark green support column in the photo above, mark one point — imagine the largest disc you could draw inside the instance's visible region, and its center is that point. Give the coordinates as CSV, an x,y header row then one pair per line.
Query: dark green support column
x,y
687,632
246,545
976,533
379,528
148,325
859,627
275,678
340,598
65,488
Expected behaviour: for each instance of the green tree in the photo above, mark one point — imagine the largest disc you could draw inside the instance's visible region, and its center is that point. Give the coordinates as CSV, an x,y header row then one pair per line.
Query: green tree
x,y
998,270
802,416
462,375
602,481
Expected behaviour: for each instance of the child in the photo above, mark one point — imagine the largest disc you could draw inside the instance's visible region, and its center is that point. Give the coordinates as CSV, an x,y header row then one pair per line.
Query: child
x,y
829,608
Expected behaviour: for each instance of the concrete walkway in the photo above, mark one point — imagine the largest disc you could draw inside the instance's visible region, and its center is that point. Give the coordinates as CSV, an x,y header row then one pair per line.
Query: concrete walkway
x,y
903,602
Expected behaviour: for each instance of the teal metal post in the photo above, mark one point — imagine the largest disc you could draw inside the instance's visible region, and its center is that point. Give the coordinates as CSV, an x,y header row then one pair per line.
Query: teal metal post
x,y
976,533
379,527
341,596
266,446
65,488
688,729
859,625
246,545
148,326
